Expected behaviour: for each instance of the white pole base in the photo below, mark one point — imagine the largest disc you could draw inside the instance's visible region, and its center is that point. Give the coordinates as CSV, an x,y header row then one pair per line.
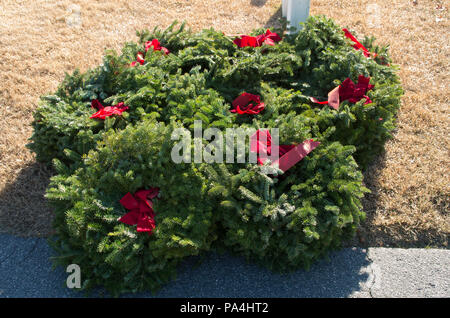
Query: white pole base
x,y
295,11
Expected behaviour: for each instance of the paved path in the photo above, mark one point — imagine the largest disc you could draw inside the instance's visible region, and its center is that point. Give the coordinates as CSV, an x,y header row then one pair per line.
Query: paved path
x,y
25,271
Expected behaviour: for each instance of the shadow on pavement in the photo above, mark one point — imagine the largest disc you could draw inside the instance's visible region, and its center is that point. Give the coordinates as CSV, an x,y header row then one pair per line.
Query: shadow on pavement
x,y
229,276
23,209
26,271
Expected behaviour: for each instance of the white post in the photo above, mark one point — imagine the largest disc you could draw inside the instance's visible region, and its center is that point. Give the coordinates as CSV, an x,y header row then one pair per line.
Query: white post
x,y
295,11
284,6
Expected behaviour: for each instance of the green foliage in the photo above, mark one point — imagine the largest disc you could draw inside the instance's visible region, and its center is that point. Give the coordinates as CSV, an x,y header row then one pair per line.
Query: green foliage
x,y
87,207
294,219
285,222
207,68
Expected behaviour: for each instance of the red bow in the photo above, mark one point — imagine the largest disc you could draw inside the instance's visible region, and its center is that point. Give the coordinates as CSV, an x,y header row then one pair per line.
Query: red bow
x,y
358,45
289,155
107,111
269,38
247,104
141,209
156,46
354,93
139,59
348,91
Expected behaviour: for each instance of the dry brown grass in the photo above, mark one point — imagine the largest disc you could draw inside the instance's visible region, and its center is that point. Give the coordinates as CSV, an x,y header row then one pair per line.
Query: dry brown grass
x,y
410,200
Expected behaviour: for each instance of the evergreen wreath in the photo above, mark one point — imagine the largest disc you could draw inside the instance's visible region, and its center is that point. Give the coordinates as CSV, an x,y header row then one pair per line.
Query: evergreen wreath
x,y
127,214
95,207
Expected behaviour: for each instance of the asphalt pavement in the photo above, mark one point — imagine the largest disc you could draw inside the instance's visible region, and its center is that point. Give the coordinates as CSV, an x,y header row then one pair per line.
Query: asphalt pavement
x,y
26,271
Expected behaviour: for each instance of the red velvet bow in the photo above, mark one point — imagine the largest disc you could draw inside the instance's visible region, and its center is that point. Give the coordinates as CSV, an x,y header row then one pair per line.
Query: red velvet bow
x,y
269,38
247,104
156,46
358,45
348,91
107,111
141,209
289,155
354,93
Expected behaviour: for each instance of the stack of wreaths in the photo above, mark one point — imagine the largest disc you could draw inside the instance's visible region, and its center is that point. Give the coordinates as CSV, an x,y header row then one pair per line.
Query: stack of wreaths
x,y
127,213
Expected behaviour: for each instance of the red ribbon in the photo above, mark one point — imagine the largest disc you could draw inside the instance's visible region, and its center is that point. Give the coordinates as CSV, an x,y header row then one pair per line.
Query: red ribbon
x,y
269,38
358,45
247,104
348,91
141,209
289,155
333,99
107,111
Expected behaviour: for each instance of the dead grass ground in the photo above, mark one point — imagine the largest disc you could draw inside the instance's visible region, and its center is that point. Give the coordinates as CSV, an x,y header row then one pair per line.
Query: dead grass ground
x,y
409,204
